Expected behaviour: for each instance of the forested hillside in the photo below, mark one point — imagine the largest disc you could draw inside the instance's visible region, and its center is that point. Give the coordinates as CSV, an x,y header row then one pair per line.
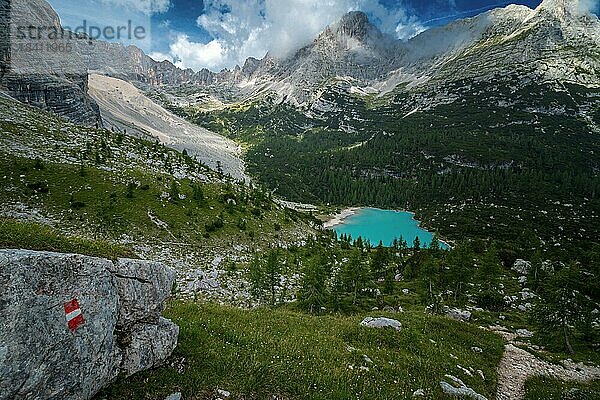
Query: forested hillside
x,y
473,167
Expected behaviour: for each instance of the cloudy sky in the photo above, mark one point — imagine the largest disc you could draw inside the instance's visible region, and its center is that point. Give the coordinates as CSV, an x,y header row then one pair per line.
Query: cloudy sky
x,y
217,34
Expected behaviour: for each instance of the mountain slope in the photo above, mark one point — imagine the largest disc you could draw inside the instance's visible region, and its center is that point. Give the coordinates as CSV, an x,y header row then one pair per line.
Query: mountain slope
x,y
553,42
50,80
125,107
557,42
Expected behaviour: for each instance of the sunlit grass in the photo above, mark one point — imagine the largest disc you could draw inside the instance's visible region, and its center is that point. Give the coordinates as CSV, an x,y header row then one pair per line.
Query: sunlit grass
x,y
264,352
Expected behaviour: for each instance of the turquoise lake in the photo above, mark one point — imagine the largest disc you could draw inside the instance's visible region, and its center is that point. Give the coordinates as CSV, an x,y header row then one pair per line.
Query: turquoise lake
x,y
378,225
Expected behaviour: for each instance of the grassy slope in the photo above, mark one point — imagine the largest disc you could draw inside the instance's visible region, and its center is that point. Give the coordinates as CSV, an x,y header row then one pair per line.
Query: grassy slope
x,y
107,210
264,352
551,389
33,236
111,162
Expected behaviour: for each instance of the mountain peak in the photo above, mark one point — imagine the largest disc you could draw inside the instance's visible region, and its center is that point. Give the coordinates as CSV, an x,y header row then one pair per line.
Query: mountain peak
x,y
354,24
564,8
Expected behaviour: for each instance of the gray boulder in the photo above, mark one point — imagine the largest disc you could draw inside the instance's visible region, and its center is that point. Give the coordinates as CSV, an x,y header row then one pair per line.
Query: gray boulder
x,y
521,267
457,388
69,324
381,322
149,343
458,314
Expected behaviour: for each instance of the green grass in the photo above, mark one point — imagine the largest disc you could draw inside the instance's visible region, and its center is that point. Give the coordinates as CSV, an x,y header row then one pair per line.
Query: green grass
x,y
553,389
104,207
28,235
263,352
102,184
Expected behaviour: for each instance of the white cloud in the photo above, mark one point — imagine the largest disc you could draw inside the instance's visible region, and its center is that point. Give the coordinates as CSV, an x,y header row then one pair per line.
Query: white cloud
x,y
158,56
251,28
409,29
587,6
197,55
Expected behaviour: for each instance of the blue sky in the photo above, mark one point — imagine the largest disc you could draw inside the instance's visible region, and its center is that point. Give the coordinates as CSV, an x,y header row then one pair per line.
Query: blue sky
x,y
219,34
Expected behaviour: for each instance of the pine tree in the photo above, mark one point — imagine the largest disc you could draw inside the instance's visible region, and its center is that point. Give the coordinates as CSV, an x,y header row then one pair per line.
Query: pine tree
x,y
130,189
459,262
313,289
272,274
379,260
174,192
561,305
356,274
198,193
490,269
417,244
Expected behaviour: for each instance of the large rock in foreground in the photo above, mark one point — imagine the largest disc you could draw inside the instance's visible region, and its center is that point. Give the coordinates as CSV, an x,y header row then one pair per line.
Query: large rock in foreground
x,y
69,324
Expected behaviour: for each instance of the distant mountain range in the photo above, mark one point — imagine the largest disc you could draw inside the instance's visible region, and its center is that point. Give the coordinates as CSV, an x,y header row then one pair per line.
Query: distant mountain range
x,y
556,42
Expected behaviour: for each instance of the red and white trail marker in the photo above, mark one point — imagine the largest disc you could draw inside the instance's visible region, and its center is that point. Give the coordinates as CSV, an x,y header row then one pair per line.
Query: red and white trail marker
x,y
73,314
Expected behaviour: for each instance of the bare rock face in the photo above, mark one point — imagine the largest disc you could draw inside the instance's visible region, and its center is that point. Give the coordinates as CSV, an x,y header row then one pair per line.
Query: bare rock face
x,y
52,80
69,324
64,96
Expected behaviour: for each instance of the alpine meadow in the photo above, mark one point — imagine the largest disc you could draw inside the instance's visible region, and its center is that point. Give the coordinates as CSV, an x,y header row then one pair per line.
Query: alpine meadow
x,y
285,199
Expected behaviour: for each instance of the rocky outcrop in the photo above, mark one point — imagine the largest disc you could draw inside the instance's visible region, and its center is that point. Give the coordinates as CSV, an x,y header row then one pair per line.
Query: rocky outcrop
x,y
52,80
69,324
65,96
4,44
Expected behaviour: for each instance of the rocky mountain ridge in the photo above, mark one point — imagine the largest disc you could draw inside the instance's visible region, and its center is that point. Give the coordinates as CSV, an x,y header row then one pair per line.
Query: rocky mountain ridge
x,y
557,41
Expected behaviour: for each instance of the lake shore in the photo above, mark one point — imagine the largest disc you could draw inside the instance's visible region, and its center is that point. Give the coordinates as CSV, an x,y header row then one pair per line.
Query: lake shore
x,y
338,219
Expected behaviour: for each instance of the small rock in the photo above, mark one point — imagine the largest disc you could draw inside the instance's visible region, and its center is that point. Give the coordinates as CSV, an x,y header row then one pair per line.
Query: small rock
x,y
381,322
367,359
521,266
458,314
464,370
459,389
223,393
418,393
524,333
476,349
174,396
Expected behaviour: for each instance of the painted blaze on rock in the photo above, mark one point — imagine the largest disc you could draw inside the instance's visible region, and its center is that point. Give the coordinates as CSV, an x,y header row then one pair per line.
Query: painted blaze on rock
x,y
69,324
73,315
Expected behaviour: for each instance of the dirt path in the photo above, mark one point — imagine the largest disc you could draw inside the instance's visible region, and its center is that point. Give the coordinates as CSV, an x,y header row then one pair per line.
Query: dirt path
x,y
517,365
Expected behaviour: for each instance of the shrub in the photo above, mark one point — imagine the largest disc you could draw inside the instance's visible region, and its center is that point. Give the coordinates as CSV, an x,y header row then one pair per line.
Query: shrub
x,y
491,300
